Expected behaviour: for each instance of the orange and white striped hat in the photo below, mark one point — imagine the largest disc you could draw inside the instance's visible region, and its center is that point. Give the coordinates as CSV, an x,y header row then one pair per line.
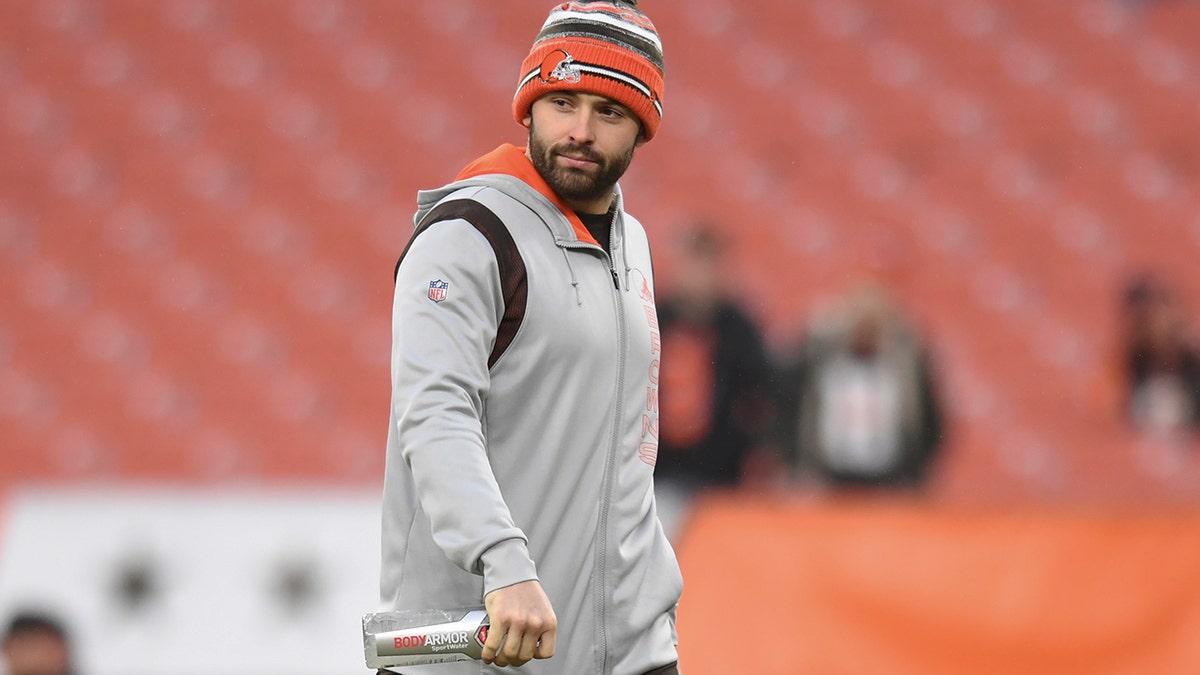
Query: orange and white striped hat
x,y
605,48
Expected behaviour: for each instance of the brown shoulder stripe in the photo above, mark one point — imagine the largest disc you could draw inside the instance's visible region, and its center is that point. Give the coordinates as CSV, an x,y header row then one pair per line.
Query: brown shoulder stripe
x,y
514,284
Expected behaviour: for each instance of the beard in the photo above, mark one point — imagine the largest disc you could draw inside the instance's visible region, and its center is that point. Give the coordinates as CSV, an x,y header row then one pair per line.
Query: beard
x,y
574,184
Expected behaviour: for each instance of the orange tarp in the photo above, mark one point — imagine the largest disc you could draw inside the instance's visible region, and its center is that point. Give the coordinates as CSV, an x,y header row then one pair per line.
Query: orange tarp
x,y
880,587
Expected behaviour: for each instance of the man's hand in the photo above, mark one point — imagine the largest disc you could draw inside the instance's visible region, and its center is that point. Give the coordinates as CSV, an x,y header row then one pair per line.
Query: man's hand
x,y
523,621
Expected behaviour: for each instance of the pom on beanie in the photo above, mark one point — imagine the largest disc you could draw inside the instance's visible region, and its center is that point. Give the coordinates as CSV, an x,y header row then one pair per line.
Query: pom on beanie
x,y
606,48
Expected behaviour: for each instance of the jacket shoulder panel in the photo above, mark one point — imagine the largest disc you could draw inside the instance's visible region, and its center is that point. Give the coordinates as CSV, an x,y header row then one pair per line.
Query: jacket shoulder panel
x,y
514,281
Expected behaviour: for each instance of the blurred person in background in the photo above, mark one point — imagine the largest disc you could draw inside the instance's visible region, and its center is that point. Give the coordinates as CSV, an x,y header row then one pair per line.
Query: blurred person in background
x,y
858,405
715,395
525,353
36,644
1161,363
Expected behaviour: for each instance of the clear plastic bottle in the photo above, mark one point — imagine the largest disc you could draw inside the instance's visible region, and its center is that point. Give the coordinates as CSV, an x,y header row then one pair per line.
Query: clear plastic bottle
x,y
415,637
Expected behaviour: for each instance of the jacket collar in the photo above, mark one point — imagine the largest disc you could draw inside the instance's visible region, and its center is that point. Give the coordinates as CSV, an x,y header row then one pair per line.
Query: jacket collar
x,y
511,160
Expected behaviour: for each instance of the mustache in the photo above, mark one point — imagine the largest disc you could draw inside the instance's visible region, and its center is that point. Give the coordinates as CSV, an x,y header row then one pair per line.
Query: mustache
x,y
575,150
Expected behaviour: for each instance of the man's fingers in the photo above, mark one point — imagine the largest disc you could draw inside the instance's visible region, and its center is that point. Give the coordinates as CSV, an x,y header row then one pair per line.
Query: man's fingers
x,y
545,646
513,646
520,643
495,638
521,616
519,651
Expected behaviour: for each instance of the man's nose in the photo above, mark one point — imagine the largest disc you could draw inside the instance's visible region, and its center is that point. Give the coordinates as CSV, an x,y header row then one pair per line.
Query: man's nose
x,y
581,127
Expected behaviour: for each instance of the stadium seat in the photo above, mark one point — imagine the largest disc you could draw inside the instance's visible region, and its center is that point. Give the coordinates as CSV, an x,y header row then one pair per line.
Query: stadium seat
x,y
201,203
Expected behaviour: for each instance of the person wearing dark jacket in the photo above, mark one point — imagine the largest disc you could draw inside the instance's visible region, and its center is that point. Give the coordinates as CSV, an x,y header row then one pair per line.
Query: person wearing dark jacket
x,y
1161,363
715,393
858,405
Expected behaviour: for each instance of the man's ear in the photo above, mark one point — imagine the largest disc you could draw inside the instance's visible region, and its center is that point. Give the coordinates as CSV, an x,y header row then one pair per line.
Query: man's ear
x,y
527,120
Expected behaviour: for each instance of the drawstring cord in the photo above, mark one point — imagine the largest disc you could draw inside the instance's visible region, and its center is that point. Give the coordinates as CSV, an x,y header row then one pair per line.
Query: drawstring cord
x,y
574,280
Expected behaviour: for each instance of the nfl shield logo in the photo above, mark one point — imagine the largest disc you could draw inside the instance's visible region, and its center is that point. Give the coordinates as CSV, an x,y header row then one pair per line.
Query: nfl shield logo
x,y
437,290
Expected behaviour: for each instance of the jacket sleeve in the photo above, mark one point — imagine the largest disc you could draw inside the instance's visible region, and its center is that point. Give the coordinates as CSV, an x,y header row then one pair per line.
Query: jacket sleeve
x,y
440,385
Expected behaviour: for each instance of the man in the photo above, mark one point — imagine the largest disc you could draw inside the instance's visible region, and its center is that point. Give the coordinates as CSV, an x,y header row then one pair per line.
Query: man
x,y
859,406
716,397
524,376
35,644
1162,366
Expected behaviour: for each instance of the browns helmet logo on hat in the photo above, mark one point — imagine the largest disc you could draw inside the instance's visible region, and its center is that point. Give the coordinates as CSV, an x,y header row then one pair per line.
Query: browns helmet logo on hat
x,y
559,66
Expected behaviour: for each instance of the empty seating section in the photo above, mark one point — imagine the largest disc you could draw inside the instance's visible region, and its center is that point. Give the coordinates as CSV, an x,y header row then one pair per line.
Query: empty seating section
x,y
201,203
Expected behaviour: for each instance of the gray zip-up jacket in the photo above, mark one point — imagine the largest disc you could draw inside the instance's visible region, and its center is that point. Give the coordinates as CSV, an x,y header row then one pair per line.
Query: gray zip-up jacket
x,y
524,423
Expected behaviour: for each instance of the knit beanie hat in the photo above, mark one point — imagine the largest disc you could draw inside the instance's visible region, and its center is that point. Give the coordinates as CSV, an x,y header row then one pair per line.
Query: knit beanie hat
x,y
608,48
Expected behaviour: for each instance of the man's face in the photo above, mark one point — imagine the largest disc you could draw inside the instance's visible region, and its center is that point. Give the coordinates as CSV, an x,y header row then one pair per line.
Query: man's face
x,y
581,144
36,652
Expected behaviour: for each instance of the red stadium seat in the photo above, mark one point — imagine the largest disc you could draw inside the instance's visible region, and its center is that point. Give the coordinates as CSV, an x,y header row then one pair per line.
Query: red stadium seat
x,y
200,206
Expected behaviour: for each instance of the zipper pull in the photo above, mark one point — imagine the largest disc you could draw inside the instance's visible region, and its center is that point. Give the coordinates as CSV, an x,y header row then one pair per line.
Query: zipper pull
x,y
616,279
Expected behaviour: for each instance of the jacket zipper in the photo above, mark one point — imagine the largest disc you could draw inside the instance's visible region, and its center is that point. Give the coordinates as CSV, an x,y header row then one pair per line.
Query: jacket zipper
x,y
610,465
599,611
610,461
600,602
